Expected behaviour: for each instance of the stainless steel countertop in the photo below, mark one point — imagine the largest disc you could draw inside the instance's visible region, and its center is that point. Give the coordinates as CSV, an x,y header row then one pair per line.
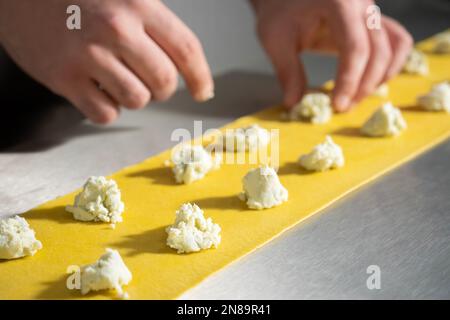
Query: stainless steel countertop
x,y
401,222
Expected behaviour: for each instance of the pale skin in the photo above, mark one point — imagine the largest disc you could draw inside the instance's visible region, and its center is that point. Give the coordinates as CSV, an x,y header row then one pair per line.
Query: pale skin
x,y
130,52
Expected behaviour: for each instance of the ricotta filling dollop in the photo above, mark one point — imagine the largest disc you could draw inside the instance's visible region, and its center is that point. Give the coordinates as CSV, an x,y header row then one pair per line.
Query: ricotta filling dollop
x,y
192,163
416,63
109,272
438,99
386,121
249,138
17,239
314,107
262,189
324,156
191,232
100,200
442,44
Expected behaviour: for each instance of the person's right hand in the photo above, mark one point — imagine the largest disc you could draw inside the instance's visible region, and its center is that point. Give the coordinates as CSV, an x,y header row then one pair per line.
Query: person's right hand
x,y
127,52
367,57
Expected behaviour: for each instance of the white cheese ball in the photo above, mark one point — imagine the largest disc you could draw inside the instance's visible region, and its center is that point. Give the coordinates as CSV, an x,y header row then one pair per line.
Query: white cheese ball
x,y
263,189
442,43
416,63
438,99
386,121
324,156
314,107
109,272
250,138
191,232
100,200
17,239
192,163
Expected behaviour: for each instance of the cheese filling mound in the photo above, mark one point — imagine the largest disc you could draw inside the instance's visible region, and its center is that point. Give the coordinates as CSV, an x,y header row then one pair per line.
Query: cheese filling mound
x,y
250,138
386,121
109,272
314,107
17,239
442,44
100,200
416,63
438,99
324,156
263,189
191,232
192,163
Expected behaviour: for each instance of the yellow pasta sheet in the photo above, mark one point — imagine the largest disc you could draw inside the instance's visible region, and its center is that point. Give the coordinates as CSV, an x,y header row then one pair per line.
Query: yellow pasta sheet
x,y
151,198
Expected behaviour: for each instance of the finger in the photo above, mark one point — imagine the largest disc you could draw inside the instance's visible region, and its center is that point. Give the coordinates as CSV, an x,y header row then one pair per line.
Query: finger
x,y
353,48
117,79
401,44
183,47
379,61
290,73
283,52
152,65
95,104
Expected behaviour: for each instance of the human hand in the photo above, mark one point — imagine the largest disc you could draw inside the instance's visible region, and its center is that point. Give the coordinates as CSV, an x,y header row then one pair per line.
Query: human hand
x,y
367,57
126,53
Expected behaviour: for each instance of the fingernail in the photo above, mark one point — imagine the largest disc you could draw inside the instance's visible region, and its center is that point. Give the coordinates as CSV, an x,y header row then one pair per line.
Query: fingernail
x,y
205,95
342,102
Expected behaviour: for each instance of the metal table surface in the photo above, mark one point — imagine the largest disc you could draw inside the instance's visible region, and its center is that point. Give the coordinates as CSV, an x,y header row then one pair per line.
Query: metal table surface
x,y
400,223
